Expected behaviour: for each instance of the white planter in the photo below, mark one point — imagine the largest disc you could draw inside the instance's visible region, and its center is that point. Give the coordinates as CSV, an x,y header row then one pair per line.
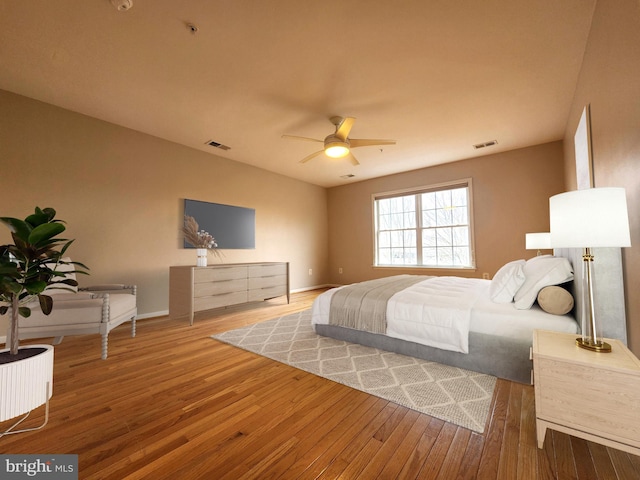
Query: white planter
x,y
26,384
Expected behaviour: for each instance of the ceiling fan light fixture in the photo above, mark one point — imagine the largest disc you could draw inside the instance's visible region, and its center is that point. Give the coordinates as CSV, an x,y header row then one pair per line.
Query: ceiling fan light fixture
x,y
336,151
335,147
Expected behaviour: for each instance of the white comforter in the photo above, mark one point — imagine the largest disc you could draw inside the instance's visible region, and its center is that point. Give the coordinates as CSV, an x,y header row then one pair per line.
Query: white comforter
x,y
440,311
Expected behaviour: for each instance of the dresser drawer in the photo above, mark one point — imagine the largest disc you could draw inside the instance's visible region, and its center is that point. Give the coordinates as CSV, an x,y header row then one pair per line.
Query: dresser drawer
x,y
264,282
267,292
217,301
218,288
204,274
267,270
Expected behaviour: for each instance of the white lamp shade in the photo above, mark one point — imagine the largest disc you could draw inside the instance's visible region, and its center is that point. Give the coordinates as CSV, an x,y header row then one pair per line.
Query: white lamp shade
x,y
594,217
538,241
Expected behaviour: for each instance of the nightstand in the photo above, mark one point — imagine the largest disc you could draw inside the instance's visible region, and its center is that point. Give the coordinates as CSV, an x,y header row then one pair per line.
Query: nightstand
x,y
594,396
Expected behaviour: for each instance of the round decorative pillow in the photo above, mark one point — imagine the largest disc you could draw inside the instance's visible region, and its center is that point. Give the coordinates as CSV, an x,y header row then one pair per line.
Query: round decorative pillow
x,y
555,300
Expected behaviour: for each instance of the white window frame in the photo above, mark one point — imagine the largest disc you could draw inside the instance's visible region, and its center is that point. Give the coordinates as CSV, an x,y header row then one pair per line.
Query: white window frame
x,y
466,182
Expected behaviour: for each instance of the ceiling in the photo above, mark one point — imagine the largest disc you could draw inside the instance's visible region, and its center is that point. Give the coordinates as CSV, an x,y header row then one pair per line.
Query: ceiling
x,y
437,76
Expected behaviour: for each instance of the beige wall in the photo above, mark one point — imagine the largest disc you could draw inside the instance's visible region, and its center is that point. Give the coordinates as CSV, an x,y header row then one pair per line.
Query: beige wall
x,y
610,83
121,193
510,198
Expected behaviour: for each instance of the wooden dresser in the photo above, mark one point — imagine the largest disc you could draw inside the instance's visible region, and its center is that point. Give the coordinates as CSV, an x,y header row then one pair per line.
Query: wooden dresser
x,y
195,289
594,396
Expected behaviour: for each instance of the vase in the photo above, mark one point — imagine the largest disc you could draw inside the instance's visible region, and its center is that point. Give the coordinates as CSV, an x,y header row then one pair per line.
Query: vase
x,y
202,257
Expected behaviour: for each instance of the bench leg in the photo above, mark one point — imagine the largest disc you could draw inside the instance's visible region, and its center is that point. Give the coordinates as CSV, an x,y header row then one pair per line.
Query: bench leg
x,y
105,340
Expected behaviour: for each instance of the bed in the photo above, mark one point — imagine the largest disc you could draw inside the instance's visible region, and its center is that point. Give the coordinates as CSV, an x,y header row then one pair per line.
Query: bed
x,y
480,325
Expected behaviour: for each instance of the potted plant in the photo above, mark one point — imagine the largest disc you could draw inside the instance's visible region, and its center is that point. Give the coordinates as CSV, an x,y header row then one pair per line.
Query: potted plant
x,y
27,268
203,241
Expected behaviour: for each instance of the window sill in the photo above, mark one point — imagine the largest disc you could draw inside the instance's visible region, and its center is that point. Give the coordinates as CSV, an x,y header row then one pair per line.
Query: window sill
x,y
440,270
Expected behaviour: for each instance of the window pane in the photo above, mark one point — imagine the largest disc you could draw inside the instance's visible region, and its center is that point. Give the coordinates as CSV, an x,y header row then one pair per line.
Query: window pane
x,y
384,222
409,238
461,256
410,220
459,197
428,238
429,201
445,256
444,237
460,236
429,256
397,238
443,216
429,218
459,215
384,239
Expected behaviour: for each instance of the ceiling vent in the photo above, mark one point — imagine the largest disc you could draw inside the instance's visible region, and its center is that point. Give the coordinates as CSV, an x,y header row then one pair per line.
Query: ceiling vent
x,y
485,144
213,143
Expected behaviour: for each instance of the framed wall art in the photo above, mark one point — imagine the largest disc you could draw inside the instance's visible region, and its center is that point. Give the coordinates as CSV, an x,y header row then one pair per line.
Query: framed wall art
x,y
584,160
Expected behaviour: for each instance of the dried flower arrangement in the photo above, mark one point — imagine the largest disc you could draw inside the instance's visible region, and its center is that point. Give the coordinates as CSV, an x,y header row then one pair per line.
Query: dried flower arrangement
x,y
199,238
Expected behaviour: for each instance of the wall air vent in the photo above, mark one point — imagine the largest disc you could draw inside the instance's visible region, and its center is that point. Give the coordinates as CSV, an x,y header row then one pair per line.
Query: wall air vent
x,y
485,144
213,143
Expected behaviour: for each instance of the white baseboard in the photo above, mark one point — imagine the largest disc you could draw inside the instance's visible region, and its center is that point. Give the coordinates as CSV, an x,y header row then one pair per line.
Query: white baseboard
x,y
314,287
161,313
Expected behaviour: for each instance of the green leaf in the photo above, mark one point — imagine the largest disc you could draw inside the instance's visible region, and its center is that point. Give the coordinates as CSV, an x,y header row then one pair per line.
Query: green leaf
x,y
35,287
40,216
4,309
46,303
45,232
18,228
24,312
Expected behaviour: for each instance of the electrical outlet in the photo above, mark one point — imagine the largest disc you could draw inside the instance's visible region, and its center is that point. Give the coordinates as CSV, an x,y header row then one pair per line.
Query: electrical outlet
x,y
340,270
485,276
310,271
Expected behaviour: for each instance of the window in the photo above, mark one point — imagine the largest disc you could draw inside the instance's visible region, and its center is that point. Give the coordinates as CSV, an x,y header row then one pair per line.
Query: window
x,y
426,227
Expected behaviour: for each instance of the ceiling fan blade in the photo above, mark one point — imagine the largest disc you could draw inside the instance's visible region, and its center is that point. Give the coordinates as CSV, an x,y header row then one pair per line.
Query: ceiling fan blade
x,y
295,137
313,155
354,161
366,142
345,127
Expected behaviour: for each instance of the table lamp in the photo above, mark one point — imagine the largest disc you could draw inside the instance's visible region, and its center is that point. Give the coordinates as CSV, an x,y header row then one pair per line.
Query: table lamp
x,y
589,218
538,241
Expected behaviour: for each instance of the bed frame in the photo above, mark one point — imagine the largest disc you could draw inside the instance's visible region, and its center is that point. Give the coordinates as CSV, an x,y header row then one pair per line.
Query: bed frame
x,y
504,357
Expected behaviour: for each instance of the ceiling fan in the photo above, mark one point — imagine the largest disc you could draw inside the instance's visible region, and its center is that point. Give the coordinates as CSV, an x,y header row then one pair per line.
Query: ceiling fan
x,y
338,144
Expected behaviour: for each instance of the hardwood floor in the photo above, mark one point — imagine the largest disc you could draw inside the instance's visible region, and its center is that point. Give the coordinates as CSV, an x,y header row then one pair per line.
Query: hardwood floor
x,y
173,403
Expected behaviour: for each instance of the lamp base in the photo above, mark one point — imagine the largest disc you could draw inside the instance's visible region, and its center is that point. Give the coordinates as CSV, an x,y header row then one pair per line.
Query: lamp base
x,y
602,347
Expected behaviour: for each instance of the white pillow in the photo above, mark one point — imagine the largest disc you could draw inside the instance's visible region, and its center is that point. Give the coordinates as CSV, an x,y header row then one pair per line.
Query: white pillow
x,y
541,272
507,281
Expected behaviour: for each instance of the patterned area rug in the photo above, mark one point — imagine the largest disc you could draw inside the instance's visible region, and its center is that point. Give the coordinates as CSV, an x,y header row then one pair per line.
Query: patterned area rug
x,y
452,394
